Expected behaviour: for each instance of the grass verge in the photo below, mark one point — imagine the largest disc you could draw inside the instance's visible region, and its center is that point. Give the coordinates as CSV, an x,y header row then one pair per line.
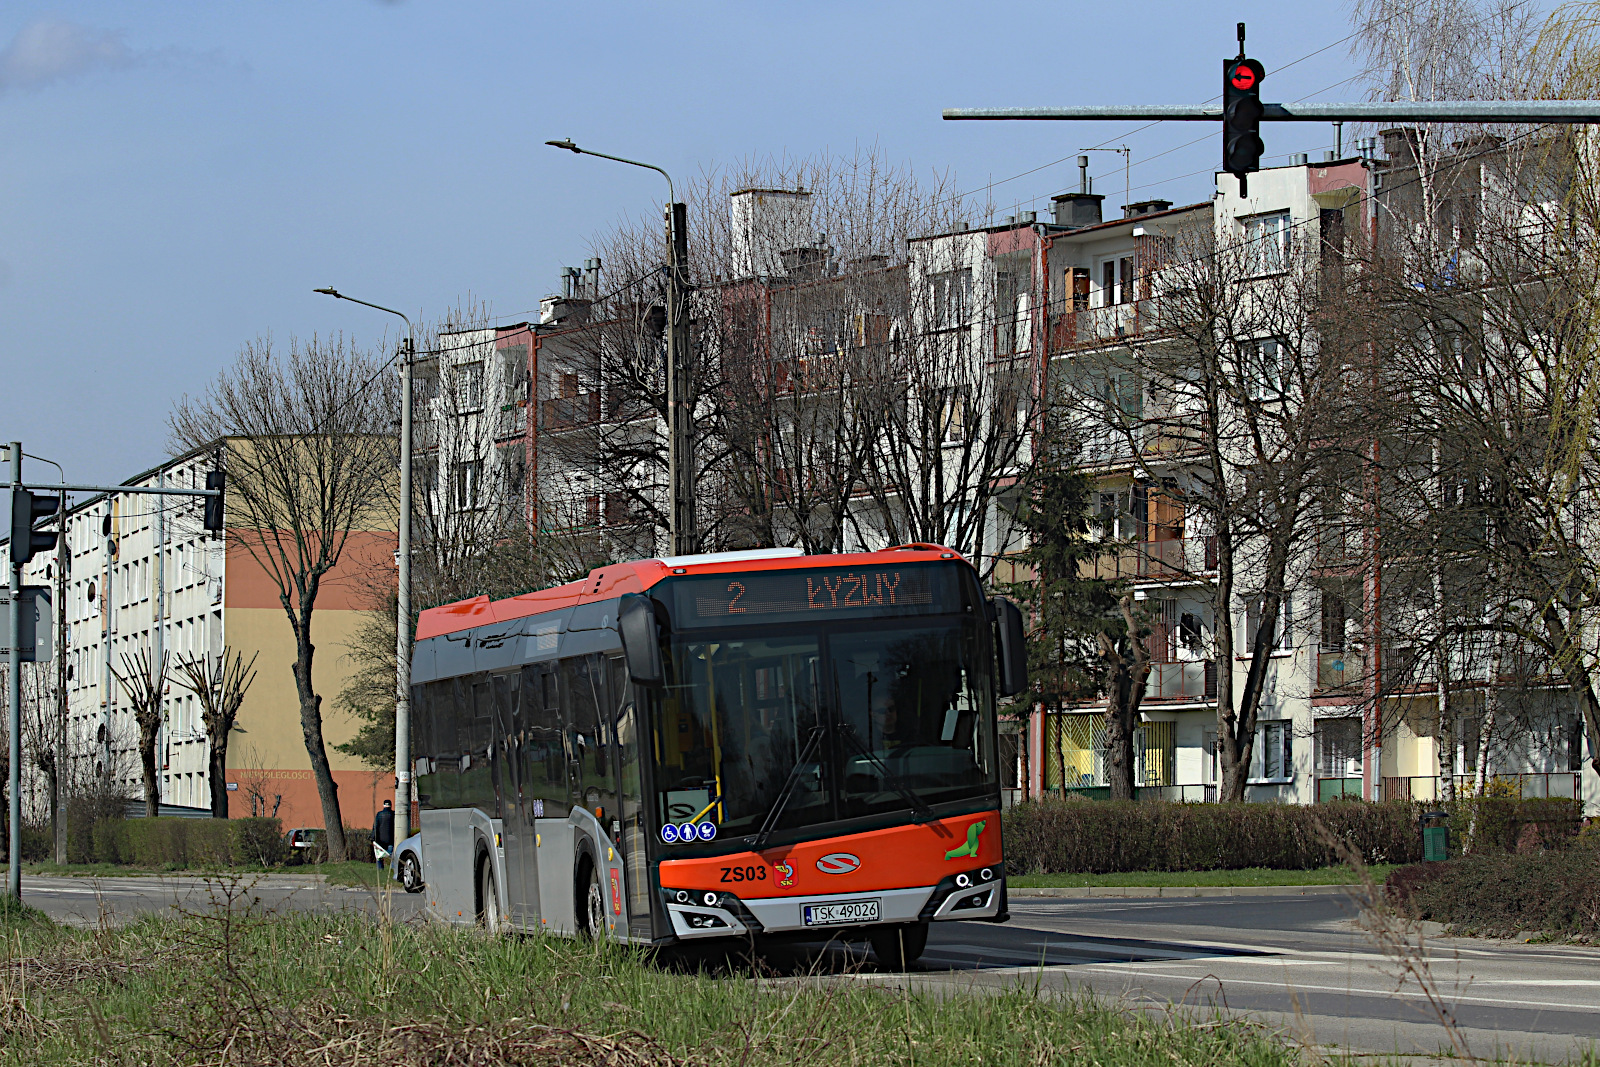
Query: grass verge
x,y
235,986
342,873
1249,876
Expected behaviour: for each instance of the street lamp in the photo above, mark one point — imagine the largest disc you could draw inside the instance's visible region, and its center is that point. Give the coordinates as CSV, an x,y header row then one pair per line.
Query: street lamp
x,y
680,431
402,639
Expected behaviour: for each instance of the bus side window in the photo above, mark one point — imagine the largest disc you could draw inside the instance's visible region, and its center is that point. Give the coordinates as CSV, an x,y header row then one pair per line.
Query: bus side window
x,y
503,764
444,784
476,734
583,696
423,749
544,759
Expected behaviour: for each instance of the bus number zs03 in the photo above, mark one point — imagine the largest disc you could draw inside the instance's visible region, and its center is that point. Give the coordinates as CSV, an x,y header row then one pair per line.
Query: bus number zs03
x,y
744,874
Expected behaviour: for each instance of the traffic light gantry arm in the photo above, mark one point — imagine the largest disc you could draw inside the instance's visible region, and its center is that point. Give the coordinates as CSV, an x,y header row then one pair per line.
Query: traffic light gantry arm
x,y
1577,111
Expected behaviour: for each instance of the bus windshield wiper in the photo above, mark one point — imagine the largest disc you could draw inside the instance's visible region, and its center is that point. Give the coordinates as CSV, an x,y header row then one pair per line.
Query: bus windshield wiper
x,y
918,806
770,823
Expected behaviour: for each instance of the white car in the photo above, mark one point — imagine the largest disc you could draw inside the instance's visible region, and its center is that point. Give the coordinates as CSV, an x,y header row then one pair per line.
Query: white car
x,y
408,863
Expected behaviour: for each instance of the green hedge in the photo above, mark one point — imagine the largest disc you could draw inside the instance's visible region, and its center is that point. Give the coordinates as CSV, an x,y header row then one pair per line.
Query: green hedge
x,y
1103,837
1510,825
169,842
1501,894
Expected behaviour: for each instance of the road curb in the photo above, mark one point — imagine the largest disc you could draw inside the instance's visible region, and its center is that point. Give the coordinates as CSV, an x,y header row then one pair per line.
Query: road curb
x,y
1149,891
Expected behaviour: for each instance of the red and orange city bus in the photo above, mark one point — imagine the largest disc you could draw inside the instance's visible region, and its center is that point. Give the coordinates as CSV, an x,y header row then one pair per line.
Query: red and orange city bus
x,y
734,744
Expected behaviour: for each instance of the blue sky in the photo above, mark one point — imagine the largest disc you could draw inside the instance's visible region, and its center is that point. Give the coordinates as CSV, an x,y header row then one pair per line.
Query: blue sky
x,y
176,178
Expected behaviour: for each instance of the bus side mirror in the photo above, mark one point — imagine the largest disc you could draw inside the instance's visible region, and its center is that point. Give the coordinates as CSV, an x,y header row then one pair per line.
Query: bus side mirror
x,y
641,639
1013,648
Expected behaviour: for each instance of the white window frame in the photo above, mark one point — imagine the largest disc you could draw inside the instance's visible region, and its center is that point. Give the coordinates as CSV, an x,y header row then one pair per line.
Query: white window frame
x,y
1264,365
1276,736
950,298
1268,242
469,387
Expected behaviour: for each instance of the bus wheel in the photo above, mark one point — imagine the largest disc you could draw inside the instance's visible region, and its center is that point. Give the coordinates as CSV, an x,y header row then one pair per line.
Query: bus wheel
x,y
593,903
488,897
899,946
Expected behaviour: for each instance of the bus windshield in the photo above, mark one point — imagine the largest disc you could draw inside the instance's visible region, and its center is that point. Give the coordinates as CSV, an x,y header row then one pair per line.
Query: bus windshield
x,y
854,715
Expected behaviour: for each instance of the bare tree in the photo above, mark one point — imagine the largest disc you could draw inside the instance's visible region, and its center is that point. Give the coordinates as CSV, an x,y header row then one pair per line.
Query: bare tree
x,y
1493,453
1240,420
144,678
793,310
220,686
311,461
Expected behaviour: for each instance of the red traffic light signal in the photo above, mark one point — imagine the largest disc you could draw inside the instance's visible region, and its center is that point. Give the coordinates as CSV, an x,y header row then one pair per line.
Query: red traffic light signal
x,y
1241,117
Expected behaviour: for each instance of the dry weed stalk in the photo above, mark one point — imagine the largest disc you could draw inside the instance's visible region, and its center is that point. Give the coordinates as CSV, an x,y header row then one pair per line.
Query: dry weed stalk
x,y
1398,937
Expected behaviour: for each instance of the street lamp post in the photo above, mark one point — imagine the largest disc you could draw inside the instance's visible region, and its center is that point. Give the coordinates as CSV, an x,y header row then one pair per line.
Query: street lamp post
x,y
680,411
402,639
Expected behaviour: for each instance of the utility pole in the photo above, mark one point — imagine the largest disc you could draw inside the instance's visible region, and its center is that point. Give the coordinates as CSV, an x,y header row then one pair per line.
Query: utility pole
x,y
402,629
158,633
680,378
402,632
63,563
682,532
14,706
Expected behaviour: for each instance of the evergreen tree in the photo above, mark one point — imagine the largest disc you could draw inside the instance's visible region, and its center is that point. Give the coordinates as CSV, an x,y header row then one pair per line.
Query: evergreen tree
x,y
1086,638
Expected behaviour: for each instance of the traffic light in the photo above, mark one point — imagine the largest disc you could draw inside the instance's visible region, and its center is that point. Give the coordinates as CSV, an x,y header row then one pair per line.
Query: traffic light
x,y
213,518
1241,117
25,540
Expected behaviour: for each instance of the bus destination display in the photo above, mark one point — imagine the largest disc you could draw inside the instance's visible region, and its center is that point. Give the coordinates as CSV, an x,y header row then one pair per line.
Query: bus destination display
x,y
832,593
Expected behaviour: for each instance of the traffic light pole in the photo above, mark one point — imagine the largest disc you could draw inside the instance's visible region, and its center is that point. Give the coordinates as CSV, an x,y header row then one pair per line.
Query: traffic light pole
x,y
680,409
14,708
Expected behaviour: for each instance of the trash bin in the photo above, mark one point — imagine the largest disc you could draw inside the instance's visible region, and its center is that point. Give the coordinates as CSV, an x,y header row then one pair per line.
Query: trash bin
x,y
1435,835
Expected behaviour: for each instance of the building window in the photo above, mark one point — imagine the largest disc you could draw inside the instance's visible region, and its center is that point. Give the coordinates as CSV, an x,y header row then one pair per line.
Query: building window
x,y
466,477
1267,243
950,295
469,386
1005,311
1283,636
1263,365
952,415
1339,748
1273,758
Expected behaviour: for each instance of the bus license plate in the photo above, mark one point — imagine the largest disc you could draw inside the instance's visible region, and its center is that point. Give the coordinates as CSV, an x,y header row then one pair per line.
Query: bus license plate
x,y
849,911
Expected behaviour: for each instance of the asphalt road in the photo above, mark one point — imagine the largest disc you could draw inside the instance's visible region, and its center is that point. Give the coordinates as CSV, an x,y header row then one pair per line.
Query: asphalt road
x,y
1298,963
89,901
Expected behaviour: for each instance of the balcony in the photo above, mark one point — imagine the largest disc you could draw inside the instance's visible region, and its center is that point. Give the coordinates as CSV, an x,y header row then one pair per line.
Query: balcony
x,y
1340,672
1087,327
1534,784
1183,681
1175,559
569,412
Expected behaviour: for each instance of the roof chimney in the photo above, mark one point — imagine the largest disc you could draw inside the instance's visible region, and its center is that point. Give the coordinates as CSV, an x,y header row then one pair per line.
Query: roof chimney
x,y
1076,210
1144,207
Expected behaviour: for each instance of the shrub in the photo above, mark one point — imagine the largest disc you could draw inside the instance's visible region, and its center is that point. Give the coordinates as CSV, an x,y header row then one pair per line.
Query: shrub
x,y
169,842
1506,825
1054,836
1500,894
38,843
358,844
1079,836
88,840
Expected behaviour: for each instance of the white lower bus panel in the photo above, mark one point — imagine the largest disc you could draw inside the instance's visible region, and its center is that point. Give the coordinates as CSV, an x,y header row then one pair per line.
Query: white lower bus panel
x,y
712,914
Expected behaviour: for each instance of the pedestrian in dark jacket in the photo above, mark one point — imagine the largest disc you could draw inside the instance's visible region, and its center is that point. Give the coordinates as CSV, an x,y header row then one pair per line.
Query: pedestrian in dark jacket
x,y
383,828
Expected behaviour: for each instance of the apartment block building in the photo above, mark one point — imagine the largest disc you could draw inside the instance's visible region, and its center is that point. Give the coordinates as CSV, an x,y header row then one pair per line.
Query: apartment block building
x,y
144,576
986,328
